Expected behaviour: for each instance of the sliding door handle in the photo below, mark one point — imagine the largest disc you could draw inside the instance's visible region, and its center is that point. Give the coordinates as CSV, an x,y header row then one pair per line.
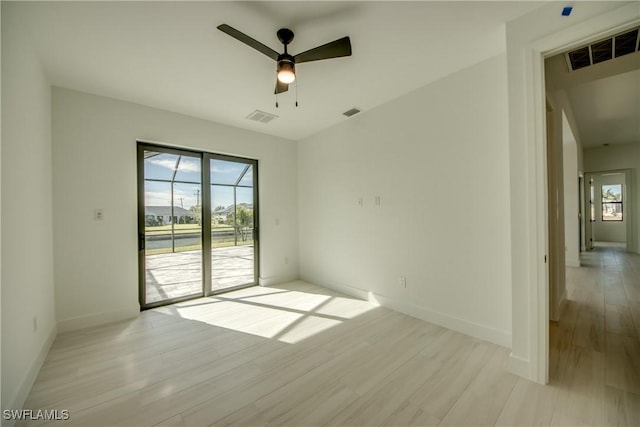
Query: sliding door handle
x,y
141,241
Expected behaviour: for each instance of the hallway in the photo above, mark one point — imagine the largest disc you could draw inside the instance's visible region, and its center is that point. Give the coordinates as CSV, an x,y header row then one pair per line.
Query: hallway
x,y
595,347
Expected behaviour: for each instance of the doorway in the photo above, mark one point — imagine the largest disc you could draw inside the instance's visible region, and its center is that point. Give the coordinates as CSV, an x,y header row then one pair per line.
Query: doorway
x,y
197,224
611,209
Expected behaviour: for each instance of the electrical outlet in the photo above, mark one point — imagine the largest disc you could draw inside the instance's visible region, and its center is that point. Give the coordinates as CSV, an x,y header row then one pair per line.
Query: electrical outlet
x,y
377,200
98,215
403,282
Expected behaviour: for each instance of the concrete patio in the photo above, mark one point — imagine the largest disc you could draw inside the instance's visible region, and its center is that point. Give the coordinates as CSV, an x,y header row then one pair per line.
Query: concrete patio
x,y
179,274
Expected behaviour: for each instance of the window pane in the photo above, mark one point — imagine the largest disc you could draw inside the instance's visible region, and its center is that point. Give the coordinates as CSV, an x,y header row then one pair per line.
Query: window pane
x,y
244,208
223,172
188,169
247,179
612,193
159,165
612,211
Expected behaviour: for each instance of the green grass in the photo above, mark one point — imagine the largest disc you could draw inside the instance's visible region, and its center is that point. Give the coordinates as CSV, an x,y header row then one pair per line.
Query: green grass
x,y
182,229
224,244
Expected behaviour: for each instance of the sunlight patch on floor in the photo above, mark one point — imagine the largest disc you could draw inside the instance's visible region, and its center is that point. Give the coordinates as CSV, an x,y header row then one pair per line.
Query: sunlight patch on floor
x,y
288,313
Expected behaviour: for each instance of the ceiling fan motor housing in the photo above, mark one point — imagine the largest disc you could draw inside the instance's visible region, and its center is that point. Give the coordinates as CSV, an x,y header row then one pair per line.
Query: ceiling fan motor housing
x,y
285,58
285,36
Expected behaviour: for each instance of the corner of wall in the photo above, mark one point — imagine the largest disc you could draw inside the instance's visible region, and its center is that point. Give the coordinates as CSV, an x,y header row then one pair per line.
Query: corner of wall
x,y
17,401
519,366
103,318
466,327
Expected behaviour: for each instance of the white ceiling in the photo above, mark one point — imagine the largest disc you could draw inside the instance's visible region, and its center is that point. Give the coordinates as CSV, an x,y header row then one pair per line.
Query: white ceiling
x,y
604,98
170,55
607,111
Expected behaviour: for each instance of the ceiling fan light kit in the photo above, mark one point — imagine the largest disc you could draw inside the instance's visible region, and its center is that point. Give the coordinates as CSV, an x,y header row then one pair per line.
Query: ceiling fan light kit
x,y
286,70
286,63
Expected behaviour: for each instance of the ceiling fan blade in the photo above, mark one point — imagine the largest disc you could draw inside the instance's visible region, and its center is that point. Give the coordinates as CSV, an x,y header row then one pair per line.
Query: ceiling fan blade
x,y
281,87
249,41
334,49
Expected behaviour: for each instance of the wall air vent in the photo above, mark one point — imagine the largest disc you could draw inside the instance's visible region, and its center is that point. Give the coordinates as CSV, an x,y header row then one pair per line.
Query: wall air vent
x,y
261,116
351,112
604,50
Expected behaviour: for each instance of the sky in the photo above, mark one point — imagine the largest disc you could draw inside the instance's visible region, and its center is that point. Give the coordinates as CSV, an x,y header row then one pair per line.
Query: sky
x,y
186,195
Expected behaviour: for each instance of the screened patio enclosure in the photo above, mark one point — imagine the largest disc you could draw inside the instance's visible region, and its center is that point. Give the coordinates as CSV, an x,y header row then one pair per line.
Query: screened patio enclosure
x,y
197,216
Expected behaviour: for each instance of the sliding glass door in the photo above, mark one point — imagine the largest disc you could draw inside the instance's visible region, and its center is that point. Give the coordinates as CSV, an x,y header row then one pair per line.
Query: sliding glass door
x,y
233,222
197,224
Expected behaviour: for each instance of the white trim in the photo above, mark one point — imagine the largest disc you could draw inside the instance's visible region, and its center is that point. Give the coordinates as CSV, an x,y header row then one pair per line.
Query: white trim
x,y
563,301
275,280
476,330
17,402
519,366
572,262
98,319
534,51
351,291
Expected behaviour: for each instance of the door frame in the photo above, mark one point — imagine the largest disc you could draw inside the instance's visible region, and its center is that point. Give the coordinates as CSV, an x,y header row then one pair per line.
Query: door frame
x,y
205,158
532,360
628,203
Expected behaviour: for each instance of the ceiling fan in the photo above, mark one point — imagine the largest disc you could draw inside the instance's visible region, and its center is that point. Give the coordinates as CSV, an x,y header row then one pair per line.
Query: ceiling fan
x,y
286,67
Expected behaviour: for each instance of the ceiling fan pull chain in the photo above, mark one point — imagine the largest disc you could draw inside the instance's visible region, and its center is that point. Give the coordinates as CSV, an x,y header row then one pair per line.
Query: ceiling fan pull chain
x,y
276,100
296,92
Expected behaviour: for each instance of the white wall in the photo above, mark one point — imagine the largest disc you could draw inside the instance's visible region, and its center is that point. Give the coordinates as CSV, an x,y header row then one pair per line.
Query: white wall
x,y
571,195
541,30
438,160
94,166
616,157
27,258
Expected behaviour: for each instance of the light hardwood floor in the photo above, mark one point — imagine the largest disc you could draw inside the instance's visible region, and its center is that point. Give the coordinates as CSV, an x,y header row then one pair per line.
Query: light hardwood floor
x,y
301,355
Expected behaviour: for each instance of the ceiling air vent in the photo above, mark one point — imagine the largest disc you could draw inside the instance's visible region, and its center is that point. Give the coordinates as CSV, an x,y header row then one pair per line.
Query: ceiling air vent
x,y
351,112
604,50
261,116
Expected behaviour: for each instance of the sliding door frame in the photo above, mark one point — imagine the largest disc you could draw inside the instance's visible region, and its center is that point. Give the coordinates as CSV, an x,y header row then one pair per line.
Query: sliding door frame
x,y
256,218
207,267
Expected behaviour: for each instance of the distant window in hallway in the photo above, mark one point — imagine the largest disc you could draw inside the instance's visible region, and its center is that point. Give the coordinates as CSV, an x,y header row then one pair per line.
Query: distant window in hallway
x,y
612,202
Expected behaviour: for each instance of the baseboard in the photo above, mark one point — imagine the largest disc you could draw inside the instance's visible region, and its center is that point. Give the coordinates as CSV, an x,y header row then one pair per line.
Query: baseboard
x,y
270,281
475,330
349,290
30,377
519,366
563,301
572,262
98,319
